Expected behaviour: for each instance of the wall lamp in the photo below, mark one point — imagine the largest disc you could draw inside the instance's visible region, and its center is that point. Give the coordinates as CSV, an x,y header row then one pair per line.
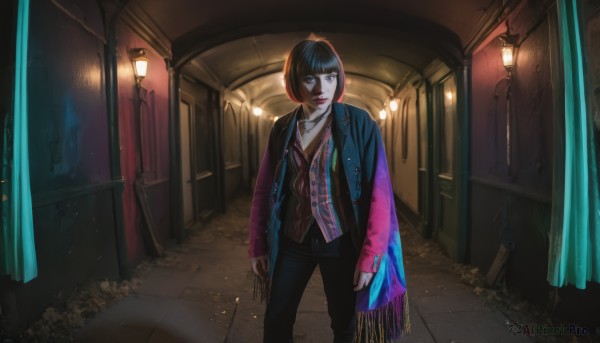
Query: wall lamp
x,y
507,49
509,42
140,64
393,105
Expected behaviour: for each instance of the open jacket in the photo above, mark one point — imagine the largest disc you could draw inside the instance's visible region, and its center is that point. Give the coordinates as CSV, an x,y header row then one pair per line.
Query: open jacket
x,y
382,308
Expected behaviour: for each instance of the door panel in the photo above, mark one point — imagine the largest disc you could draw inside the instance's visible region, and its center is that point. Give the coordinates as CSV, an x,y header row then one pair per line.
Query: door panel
x,y
201,150
206,183
186,169
232,151
425,165
448,119
446,219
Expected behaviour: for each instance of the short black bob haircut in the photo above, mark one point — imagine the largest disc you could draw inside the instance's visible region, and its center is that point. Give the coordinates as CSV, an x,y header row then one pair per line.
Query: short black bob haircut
x,y
314,55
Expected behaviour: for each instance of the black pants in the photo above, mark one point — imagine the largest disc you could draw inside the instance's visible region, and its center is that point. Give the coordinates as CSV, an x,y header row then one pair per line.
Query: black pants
x,y
295,265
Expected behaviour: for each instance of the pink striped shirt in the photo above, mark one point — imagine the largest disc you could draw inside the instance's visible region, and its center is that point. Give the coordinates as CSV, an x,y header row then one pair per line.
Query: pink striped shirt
x,y
317,191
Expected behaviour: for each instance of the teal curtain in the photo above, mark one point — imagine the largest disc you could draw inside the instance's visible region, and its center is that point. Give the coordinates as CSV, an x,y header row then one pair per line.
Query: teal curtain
x,y
574,255
17,256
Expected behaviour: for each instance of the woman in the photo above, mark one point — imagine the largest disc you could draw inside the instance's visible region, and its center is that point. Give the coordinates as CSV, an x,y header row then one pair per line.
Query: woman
x,y
323,197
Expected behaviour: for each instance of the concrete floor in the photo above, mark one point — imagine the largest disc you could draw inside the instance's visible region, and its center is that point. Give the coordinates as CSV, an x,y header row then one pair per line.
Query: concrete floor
x,y
201,292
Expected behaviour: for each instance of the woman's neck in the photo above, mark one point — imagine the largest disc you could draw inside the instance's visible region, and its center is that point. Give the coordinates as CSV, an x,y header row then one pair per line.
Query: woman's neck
x,y
312,113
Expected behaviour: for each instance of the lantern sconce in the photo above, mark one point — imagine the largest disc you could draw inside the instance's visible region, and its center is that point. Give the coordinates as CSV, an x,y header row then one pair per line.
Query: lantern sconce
x,y
508,49
140,64
509,43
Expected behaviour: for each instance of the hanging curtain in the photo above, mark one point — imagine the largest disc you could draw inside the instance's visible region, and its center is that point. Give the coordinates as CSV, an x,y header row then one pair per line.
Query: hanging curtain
x,y
18,247
574,255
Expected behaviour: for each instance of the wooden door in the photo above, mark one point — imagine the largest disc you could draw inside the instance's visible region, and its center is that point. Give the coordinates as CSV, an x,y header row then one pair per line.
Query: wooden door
x,y
446,213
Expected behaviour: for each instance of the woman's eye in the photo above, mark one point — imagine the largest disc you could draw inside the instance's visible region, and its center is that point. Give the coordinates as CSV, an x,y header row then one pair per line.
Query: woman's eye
x,y
309,79
330,77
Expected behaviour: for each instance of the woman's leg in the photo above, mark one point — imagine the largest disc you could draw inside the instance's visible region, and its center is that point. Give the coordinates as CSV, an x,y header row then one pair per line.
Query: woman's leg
x,y
294,268
338,281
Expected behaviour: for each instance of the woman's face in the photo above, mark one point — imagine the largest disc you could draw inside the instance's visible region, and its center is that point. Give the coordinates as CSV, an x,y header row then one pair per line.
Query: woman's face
x,y
317,90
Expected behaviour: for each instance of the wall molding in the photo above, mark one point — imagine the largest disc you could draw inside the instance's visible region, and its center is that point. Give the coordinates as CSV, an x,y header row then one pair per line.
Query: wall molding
x,y
141,23
79,18
513,189
53,197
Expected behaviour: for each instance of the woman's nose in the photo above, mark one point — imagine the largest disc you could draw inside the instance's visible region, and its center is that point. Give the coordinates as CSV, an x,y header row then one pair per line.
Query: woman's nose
x,y
318,87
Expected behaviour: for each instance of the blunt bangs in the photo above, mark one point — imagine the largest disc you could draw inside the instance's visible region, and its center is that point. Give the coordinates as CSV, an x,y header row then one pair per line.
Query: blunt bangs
x,y
317,60
309,57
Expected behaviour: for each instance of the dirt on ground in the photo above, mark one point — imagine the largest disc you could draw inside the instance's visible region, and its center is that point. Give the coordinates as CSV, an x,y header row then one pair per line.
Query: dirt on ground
x,y
61,324
500,297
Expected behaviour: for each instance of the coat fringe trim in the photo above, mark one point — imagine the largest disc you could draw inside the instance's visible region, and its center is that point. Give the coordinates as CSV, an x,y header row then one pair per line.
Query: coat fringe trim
x,y
384,324
261,289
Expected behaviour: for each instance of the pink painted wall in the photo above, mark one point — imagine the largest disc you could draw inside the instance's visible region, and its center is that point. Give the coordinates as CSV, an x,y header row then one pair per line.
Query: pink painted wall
x,y
156,144
513,203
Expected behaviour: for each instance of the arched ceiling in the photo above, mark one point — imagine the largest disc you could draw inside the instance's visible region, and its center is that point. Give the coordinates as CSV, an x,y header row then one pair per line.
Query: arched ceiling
x,y
242,44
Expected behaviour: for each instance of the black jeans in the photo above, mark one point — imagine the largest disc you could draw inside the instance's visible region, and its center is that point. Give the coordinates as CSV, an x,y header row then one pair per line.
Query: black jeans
x,y
295,265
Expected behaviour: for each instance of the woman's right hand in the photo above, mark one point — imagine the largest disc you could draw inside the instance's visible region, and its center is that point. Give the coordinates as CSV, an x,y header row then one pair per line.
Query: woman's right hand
x,y
259,266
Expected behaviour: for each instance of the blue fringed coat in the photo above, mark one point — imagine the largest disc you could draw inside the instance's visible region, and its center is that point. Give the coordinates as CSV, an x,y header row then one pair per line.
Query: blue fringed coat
x,y
382,308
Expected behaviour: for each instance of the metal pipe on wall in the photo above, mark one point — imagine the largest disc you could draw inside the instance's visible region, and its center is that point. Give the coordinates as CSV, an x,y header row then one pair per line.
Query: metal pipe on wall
x,y
112,99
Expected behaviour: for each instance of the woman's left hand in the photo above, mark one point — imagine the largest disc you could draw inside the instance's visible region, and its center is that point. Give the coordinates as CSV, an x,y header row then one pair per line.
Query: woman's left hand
x,y
361,279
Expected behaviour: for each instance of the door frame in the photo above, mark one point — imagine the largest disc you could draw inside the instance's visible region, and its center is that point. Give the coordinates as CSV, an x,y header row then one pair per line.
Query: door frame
x,y
214,113
190,101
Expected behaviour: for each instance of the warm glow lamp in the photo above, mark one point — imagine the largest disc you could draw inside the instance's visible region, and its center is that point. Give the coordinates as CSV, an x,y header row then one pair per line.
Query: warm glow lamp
x,y
507,56
140,64
507,50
